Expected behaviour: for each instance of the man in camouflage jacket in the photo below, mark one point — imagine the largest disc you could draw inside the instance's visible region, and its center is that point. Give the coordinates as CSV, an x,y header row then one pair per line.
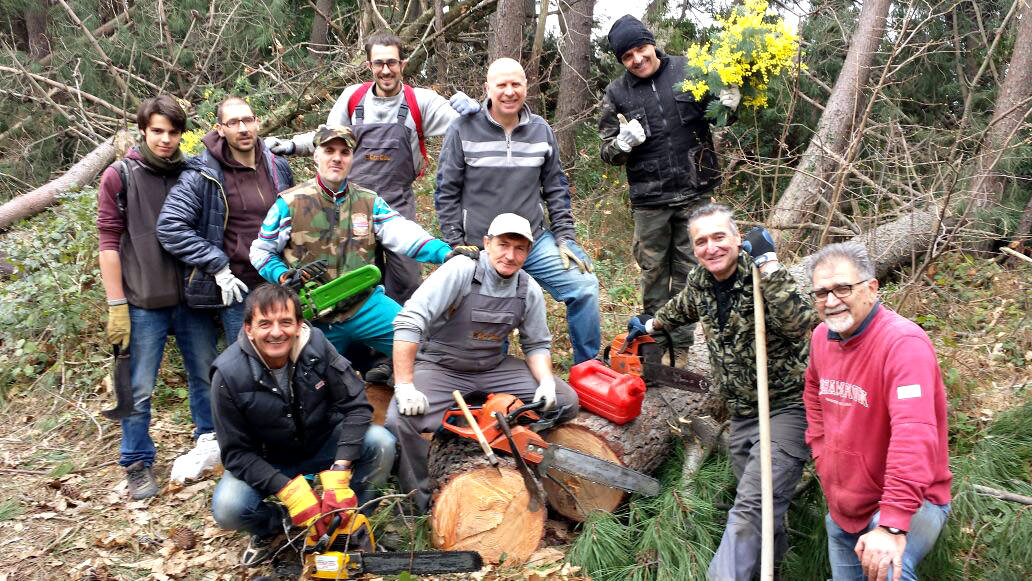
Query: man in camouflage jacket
x,y
719,295
328,218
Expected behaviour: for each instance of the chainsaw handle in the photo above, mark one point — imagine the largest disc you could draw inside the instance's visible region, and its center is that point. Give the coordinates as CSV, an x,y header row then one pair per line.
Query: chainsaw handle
x,y
530,407
466,432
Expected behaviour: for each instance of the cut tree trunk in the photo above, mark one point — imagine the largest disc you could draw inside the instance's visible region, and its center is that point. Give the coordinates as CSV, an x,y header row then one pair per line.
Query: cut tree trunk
x,y
477,507
812,177
641,444
80,174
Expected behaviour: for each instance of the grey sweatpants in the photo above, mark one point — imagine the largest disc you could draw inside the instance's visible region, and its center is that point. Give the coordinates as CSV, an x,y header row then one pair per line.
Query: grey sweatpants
x,y
738,556
437,382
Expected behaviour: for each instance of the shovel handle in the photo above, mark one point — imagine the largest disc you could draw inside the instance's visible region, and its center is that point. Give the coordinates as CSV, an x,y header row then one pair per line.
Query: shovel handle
x,y
476,428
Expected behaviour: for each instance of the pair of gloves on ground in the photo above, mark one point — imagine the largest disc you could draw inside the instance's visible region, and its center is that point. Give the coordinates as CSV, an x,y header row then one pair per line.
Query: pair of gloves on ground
x,y
412,402
632,133
307,509
760,246
462,103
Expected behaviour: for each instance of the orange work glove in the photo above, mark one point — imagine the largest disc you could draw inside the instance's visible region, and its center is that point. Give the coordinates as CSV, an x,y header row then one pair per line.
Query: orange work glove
x,y
337,494
301,501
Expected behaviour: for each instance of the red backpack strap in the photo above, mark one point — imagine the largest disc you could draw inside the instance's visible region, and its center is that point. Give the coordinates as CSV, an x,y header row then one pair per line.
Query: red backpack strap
x,y
357,97
417,118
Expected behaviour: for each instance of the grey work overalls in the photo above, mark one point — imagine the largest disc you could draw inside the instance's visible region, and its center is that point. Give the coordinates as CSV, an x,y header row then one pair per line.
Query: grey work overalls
x,y
383,162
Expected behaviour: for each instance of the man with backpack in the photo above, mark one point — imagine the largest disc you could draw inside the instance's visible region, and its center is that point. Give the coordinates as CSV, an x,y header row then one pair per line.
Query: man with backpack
x,y
144,289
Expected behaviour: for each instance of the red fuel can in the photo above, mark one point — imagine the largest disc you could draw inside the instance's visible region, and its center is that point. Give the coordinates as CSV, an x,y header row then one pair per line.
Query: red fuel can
x,y
607,393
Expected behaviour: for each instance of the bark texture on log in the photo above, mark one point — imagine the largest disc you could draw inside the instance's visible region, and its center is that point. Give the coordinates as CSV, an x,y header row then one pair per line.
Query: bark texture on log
x,y
478,507
80,174
812,177
641,444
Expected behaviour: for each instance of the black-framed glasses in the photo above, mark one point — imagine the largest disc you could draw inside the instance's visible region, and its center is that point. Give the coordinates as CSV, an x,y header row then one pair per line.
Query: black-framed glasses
x,y
841,291
234,123
391,63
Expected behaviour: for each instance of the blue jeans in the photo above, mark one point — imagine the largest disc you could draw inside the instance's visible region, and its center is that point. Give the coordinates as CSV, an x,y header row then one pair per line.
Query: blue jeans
x,y
194,330
578,290
372,325
239,507
925,526
232,320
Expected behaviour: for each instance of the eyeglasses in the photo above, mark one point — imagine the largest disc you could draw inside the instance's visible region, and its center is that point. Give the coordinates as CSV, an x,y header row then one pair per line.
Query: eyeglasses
x,y
234,123
841,291
391,63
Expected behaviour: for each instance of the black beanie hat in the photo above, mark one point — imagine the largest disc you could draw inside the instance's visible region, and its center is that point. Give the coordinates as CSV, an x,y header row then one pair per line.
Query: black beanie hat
x,y
628,32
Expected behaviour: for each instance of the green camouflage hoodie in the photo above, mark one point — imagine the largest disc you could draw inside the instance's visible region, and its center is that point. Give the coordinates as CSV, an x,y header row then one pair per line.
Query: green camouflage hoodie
x,y
790,317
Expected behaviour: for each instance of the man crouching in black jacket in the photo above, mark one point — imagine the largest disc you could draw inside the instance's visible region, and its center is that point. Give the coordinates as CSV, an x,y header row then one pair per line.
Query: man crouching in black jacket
x,y
287,404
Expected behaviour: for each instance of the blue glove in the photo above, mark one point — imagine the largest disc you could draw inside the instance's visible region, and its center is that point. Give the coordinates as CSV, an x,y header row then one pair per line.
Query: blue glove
x,y
463,104
760,245
638,326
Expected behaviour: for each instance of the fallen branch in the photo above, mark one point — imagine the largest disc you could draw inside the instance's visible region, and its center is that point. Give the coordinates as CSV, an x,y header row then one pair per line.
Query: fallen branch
x,y
100,51
1002,494
1015,254
80,174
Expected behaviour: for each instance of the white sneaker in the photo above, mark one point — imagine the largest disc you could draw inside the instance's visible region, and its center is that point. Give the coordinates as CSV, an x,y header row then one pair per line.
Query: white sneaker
x,y
204,456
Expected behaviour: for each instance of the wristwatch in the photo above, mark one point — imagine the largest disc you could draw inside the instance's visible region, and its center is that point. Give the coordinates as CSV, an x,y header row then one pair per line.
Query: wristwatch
x,y
895,531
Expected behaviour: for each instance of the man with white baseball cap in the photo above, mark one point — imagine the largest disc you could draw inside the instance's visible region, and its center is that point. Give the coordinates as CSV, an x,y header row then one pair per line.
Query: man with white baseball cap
x,y
453,334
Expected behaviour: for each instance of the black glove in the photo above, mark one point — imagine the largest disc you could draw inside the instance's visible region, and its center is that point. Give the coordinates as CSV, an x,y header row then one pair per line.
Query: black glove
x,y
468,251
636,326
760,245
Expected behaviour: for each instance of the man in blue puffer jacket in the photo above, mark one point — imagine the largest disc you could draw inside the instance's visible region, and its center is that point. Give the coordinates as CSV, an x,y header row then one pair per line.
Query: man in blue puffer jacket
x,y
215,210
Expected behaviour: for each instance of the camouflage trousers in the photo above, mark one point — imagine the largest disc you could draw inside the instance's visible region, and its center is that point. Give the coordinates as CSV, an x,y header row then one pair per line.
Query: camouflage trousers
x,y
663,250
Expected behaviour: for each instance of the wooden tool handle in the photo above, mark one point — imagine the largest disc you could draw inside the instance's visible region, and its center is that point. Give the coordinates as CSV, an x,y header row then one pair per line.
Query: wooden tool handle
x,y
476,427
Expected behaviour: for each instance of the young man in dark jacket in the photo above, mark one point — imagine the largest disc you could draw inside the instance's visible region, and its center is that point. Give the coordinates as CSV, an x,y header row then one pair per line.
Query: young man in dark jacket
x,y
143,284
214,212
659,132
287,404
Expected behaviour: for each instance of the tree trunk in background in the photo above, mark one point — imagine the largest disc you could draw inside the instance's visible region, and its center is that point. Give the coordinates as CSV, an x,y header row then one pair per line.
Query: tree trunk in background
x,y
507,23
36,20
812,177
318,41
534,64
440,47
1012,106
573,81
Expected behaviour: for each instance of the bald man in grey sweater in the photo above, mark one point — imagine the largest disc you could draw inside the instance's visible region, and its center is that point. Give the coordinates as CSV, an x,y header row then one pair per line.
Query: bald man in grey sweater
x,y
453,334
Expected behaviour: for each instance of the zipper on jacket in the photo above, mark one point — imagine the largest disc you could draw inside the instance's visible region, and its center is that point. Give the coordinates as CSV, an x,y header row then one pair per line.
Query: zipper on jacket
x,y
659,103
508,148
225,200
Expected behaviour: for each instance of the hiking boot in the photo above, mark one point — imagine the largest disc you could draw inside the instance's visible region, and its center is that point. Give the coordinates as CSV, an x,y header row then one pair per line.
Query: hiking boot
x,y
141,481
382,374
260,549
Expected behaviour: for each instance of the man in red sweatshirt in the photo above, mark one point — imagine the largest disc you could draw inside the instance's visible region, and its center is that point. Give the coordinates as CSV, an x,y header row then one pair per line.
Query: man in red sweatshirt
x,y
876,411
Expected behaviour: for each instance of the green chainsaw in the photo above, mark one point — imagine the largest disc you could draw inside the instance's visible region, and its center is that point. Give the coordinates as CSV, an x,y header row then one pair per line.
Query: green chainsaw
x,y
321,296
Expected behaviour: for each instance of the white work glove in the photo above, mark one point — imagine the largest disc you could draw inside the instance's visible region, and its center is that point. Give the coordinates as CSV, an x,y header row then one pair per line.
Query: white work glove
x,y
730,97
233,288
280,146
411,401
463,104
631,133
546,391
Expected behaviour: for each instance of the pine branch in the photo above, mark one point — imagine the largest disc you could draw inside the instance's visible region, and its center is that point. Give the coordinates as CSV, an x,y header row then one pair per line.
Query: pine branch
x,y
70,89
100,51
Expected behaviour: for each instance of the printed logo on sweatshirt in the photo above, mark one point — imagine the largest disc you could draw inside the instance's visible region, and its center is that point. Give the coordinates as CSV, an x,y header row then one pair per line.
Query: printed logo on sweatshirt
x,y
320,384
844,390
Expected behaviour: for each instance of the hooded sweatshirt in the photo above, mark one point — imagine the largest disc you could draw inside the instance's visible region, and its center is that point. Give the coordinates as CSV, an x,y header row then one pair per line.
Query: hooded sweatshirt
x,y
249,195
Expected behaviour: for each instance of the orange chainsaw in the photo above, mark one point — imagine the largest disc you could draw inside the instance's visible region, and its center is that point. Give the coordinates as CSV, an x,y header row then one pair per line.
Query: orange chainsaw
x,y
509,425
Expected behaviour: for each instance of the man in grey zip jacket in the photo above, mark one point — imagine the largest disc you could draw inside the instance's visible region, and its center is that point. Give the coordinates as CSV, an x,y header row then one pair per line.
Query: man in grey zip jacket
x,y
452,335
506,159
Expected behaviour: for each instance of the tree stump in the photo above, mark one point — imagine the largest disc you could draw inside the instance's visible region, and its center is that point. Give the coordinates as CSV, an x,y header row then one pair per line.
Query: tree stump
x,y
477,507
